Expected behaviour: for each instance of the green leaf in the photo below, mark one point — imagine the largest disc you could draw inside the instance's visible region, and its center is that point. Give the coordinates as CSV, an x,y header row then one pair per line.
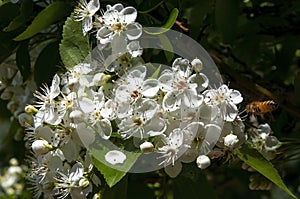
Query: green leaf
x,y
168,25
2,2
52,13
165,42
156,73
74,47
23,59
148,6
46,64
112,173
227,12
7,45
8,11
26,10
254,159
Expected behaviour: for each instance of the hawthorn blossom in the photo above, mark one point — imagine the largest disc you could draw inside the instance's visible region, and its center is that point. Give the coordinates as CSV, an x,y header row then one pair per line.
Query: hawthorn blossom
x,y
49,109
123,61
77,79
72,182
171,149
144,121
225,100
178,142
263,139
181,86
118,20
84,12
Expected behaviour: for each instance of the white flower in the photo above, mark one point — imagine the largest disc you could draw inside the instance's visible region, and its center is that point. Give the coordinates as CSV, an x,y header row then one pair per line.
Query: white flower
x,y
170,151
41,147
49,109
47,97
143,122
77,78
84,12
232,135
115,157
119,20
230,140
70,183
133,86
98,112
203,161
263,140
181,86
225,99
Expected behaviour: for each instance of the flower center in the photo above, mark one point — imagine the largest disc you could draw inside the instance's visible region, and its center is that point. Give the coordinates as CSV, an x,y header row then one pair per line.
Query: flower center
x,y
124,59
137,121
135,94
97,115
117,27
181,84
219,99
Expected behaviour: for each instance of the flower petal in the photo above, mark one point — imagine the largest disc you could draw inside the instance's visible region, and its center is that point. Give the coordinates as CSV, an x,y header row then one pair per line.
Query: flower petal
x,y
86,105
117,7
104,129
93,6
236,97
104,35
150,88
157,126
115,157
173,170
86,25
133,31
171,101
165,81
129,13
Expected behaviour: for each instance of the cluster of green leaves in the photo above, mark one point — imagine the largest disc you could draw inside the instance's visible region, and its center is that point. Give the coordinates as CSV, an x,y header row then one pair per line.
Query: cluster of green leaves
x,y
254,43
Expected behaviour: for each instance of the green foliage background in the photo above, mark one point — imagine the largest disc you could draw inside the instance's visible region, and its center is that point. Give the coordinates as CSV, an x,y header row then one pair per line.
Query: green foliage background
x,y
255,44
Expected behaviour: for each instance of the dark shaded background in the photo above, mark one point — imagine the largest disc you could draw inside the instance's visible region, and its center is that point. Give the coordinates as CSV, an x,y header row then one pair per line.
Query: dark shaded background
x,y
255,44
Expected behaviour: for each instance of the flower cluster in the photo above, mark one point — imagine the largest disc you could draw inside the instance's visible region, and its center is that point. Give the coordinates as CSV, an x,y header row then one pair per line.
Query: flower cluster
x,y
172,112
11,180
14,89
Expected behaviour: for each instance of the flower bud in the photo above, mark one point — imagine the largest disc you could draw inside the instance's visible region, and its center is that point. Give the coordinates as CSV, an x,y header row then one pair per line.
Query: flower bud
x,y
6,95
24,119
41,147
31,109
84,182
230,140
100,78
147,147
197,65
203,161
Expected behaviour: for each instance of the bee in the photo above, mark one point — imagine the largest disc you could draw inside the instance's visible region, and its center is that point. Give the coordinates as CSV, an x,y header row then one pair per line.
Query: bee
x,y
261,107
